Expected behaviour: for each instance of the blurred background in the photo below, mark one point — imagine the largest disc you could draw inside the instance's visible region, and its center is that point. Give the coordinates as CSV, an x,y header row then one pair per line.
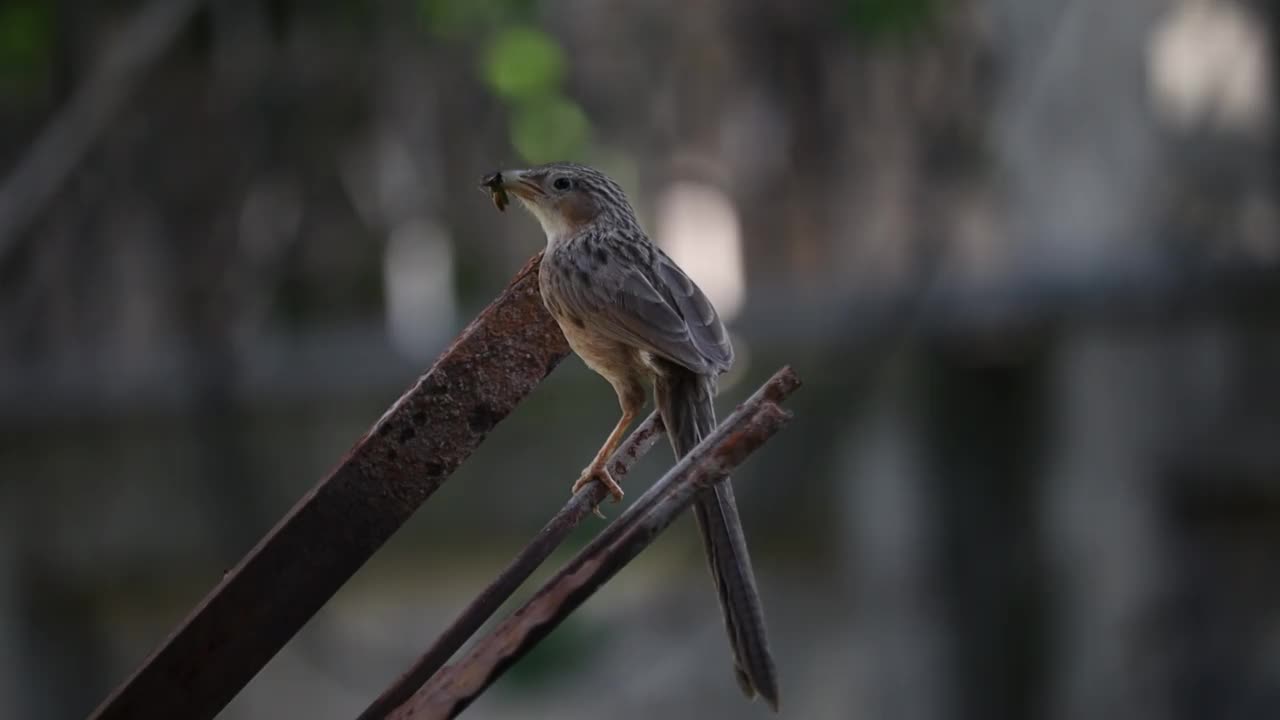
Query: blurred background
x,y
1023,252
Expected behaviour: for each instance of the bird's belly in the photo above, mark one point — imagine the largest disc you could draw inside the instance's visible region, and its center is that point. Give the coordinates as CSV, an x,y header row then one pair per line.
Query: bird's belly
x,y
614,360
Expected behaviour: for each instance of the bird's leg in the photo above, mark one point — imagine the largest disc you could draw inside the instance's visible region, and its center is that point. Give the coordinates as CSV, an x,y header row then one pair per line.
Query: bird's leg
x,y
597,470
631,399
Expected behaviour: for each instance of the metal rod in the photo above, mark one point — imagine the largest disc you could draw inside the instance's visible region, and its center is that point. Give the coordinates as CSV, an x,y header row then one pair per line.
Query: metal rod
x,y
452,689
529,559
536,552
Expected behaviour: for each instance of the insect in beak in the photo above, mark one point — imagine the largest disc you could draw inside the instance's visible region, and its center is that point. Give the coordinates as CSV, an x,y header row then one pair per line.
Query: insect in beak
x,y
494,185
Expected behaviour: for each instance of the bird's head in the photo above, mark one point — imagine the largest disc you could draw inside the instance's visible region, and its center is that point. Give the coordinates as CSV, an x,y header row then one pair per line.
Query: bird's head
x,y
564,197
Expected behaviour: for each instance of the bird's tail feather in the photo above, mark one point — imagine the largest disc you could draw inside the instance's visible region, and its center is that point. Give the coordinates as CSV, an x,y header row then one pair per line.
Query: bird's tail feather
x,y
684,399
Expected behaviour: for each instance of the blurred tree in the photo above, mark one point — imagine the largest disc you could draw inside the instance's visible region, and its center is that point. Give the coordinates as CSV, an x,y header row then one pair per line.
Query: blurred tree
x,y
888,19
26,47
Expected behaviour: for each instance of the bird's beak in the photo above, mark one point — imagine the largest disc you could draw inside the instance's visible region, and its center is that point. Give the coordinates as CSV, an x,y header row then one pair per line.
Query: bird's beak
x,y
521,183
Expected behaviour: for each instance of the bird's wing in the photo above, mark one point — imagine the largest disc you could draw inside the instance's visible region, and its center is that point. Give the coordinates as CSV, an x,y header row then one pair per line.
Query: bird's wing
x,y
661,312
705,329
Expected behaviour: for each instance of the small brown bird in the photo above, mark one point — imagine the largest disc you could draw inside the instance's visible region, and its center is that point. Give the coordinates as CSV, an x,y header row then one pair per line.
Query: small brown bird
x,y
633,317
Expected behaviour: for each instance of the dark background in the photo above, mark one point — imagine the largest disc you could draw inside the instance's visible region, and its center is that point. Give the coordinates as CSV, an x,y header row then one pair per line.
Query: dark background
x,y
1023,252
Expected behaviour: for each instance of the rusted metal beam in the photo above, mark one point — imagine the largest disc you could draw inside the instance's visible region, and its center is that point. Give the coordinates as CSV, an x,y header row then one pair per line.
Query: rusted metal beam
x,y
521,567
451,690
778,387
540,548
257,607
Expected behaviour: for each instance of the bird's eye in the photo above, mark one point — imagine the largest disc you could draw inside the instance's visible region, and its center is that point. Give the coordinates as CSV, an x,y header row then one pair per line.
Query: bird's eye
x,y
562,183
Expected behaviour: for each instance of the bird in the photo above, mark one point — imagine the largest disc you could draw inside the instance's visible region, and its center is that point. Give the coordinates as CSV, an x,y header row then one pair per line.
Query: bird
x,y
636,319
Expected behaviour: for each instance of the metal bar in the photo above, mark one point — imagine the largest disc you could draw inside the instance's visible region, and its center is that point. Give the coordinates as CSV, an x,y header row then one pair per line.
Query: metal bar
x,y
529,559
257,607
536,552
450,691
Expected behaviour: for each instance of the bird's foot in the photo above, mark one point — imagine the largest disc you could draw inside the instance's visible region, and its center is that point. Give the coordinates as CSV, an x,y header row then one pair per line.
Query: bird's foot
x,y
598,473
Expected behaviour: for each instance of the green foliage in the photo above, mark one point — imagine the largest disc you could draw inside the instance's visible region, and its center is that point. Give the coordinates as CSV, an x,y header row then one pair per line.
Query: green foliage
x,y
26,43
550,128
523,66
523,63
889,18
449,17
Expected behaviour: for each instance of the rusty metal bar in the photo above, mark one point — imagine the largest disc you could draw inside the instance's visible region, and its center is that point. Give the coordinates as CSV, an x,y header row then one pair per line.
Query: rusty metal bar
x,y
257,607
454,688
451,690
536,552
529,559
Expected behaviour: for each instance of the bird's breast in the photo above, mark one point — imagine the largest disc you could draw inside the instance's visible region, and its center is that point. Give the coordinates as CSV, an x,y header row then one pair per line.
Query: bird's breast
x,y
615,360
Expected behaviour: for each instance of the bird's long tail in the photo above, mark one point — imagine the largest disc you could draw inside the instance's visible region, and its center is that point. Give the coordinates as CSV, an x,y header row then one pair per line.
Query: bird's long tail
x,y
684,399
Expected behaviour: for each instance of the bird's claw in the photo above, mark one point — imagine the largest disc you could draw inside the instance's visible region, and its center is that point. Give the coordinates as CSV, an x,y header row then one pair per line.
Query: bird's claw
x,y
601,474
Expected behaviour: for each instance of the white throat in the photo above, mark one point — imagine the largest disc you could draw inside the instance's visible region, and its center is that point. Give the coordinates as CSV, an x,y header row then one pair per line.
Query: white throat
x,y
553,223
